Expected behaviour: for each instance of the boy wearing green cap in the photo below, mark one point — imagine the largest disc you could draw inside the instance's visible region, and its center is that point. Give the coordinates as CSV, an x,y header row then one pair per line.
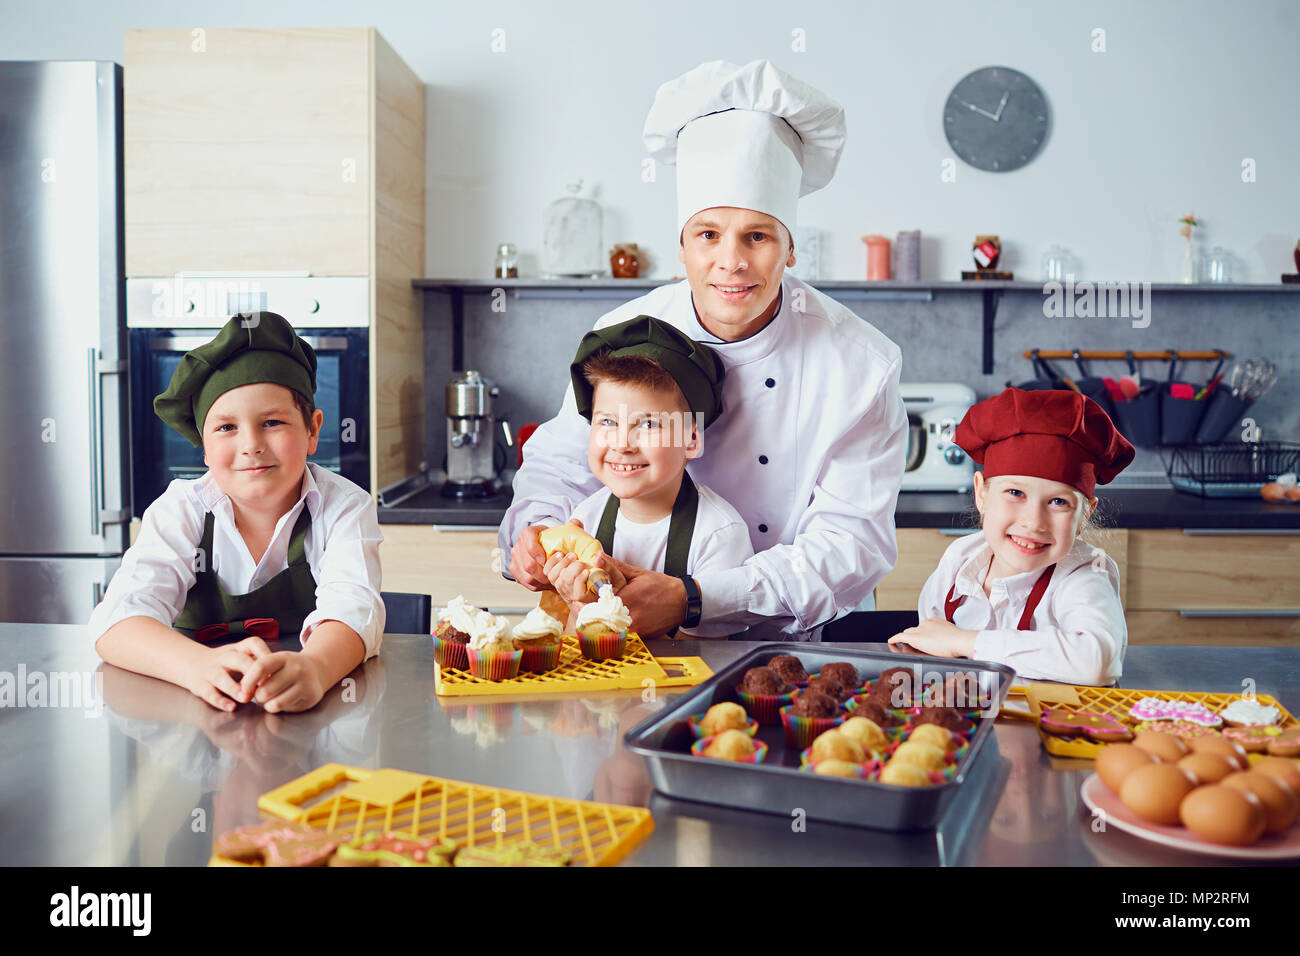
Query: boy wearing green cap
x,y
649,392
263,546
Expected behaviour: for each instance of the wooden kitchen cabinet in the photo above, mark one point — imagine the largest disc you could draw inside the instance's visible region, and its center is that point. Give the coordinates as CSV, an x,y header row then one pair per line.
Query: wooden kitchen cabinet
x,y
443,563
1193,587
919,551
288,151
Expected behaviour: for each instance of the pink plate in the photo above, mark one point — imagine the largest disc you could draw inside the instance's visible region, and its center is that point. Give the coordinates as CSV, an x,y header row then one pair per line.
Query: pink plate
x,y
1097,796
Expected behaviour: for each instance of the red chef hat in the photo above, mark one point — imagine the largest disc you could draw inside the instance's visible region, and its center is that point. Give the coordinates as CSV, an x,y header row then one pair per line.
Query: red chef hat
x,y
1054,434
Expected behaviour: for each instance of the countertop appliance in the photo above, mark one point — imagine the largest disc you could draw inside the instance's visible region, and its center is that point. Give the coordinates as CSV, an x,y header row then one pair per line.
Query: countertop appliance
x,y
64,464
473,457
168,317
934,463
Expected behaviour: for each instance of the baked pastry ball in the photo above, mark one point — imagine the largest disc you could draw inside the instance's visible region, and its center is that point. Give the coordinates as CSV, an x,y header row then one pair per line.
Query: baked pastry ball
x,y
934,735
876,712
865,733
788,668
903,774
837,768
730,745
763,681
834,745
813,704
830,687
842,671
722,717
920,754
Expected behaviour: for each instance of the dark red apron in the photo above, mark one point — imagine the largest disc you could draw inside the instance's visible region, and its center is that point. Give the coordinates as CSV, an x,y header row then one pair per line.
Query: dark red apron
x,y
951,603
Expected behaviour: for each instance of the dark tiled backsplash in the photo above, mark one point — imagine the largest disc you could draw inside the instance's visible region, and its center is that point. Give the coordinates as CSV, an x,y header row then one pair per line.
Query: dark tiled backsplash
x,y
526,349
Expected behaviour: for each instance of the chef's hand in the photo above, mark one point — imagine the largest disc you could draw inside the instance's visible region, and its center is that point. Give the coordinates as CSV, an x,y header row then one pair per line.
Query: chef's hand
x,y
528,558
216,675
569,577
657,602
286,681
938,638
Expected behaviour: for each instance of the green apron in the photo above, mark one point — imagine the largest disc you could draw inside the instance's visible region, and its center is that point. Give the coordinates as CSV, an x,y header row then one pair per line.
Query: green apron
x,y
210,614
681,527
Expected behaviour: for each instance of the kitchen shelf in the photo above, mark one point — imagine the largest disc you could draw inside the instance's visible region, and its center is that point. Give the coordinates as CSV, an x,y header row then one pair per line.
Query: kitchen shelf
x,y
856,290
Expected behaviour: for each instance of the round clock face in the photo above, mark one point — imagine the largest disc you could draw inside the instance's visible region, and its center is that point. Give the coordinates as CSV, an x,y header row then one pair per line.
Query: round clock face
x,y
996,119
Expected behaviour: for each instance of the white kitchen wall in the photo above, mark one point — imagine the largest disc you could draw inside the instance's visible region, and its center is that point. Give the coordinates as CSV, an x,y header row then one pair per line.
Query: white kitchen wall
x,y
1154,127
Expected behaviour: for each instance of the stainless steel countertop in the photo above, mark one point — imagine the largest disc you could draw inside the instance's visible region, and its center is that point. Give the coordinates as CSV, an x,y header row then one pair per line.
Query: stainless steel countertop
x,y
142,773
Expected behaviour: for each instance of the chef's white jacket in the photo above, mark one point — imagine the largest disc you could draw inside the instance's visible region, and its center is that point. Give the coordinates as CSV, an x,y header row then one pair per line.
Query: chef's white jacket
x,y
810,449
342,549
719,542
1078,633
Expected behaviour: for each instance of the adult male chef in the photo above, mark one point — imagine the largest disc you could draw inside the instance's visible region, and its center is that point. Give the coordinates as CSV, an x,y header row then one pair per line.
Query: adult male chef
x,y
811,443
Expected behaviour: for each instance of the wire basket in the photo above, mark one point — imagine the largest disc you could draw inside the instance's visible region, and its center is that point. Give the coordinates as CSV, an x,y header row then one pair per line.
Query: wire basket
x,y
1237,470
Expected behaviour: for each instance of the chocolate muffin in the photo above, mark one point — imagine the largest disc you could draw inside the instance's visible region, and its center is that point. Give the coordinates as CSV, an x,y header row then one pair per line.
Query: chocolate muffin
x,y
813,703
830,687
763,681
895,687
945,717
446,632
843,672
874,710
788,668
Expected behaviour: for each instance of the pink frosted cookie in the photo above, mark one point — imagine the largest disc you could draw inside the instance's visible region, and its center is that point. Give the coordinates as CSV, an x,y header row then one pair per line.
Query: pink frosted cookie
x,y
1082,723
1253,739
1153,708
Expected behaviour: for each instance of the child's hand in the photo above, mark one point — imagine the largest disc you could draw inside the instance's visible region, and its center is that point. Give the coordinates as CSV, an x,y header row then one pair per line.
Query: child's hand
x,y
568,575
215,677
938,638
286,681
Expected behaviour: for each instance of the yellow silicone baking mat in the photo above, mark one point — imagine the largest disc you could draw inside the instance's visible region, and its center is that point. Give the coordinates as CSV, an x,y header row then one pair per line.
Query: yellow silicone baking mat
x,y
353,801
576,674
1116,701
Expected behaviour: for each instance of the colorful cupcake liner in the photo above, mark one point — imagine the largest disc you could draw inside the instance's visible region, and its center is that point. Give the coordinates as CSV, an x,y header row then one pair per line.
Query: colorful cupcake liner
x,y
865,770
450,654
604,647
806,760
800,732
699,733
859,688
494,665
758,756
765,708
540,658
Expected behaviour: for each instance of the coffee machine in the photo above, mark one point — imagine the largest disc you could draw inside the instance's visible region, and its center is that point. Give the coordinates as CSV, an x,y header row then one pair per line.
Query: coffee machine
x,y
471,437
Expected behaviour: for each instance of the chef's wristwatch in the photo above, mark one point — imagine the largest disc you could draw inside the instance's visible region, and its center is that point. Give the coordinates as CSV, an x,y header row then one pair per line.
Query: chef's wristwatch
x,y
694,605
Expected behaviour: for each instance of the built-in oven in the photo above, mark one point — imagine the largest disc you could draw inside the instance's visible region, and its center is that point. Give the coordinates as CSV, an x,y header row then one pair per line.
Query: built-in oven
x,y
160,335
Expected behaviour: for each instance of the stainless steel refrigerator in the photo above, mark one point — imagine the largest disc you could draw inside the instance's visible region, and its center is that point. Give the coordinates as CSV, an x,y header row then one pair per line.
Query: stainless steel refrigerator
x,y
64,455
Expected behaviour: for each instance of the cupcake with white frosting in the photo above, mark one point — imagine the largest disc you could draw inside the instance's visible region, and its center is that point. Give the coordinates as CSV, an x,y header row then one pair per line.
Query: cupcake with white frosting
x,y
602,627
491,651
540,637
453,627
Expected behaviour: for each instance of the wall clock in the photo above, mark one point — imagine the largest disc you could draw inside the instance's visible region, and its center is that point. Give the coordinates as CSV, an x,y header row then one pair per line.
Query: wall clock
x,y
996,119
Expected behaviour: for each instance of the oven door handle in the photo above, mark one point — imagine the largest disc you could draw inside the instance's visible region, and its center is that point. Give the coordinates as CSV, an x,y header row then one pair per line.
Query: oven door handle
x,y
186,343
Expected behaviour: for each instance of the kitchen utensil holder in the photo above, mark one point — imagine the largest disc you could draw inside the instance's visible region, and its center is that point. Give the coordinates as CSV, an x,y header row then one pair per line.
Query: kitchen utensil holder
x,y
1179,417
1224,412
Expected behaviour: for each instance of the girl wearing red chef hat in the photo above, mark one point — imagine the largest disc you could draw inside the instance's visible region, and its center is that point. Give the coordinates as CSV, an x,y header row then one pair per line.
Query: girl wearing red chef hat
x,y
1027,591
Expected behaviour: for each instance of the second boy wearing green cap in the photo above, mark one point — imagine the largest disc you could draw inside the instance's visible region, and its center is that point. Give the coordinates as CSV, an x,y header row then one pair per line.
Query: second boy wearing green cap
x,y
649,391
265,545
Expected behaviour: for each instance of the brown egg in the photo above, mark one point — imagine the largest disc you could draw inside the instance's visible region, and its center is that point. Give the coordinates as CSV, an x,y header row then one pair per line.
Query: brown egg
x,y
1273,492
1155,792
1234,751
1223,815
1206,767
1117,761
1293,493
1164,746
1280,768
1281,803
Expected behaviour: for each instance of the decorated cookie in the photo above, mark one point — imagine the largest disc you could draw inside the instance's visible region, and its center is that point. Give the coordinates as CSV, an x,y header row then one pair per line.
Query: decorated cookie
x,y
1084,723
391,849
1179,728
1249,713
1286,744
512,854
278,843
1253,739
1153,708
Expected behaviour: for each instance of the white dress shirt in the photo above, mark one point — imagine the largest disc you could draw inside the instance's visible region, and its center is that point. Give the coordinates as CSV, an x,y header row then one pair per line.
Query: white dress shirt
x,y
720,542
815,394
1077,633
342,549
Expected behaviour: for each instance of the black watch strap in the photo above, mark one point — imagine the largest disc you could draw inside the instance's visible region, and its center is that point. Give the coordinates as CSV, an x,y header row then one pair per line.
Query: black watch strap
x,y
694,604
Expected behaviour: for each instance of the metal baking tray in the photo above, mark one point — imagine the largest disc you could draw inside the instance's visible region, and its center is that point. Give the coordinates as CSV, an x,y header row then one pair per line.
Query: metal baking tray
x,y
777,786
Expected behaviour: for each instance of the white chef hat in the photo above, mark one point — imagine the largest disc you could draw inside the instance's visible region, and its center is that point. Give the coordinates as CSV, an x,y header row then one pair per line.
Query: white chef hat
x,y
750,136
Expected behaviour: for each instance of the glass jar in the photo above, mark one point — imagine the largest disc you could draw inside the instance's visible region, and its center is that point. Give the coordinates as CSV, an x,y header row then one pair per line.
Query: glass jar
x,y
571,237
507,266
1219,268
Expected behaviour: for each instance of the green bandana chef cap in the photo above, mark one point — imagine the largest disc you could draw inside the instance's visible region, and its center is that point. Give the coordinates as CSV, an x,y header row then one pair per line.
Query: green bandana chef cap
x,y
696,368
252,348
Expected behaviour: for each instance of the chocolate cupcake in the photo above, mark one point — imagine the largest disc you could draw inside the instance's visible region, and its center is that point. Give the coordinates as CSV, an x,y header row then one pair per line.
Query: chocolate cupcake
x,y
788,668
946,717
812,703
830,687
843,672
896,687
811,715
764,681
875,711
763,693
